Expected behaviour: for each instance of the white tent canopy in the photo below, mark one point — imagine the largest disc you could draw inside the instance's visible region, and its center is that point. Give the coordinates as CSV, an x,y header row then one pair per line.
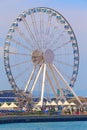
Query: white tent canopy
x,y
36,109
60,103
72,104
39,103
13,105
66,103
53,103
4,106
47,103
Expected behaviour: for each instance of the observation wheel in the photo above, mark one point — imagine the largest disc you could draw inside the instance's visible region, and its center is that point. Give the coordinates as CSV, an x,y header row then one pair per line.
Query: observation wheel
x,y
41,54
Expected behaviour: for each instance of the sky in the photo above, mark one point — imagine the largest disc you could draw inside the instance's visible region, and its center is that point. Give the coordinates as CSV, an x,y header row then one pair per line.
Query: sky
x,y
75,11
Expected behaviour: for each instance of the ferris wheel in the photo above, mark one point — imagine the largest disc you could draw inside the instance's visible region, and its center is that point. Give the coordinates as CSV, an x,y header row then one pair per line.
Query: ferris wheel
x,y
41,54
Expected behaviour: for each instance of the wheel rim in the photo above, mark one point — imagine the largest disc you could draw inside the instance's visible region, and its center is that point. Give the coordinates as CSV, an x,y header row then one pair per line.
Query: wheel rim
x,y
34,36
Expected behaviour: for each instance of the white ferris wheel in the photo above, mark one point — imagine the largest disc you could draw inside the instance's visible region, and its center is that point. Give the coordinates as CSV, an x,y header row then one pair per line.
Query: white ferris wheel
x,y
41,54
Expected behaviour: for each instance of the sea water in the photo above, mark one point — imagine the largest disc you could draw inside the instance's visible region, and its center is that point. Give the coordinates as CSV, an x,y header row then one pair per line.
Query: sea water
x,y
79,125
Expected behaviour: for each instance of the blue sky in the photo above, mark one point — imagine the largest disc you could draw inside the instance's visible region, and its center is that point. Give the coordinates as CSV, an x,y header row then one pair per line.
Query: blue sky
x,y
75,11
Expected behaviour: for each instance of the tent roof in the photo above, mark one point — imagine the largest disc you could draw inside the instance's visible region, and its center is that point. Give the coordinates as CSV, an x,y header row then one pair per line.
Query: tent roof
x,y
13,105
36,109
4,105
60,103
47,103
72,104
66,103
39,103
53,103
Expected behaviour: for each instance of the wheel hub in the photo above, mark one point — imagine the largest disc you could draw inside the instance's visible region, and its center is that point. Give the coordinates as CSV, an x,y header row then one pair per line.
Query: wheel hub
x,y
49,56
39,57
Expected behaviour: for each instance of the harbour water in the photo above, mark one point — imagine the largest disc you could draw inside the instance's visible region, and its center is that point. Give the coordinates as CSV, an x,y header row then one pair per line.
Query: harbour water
x,y
78,125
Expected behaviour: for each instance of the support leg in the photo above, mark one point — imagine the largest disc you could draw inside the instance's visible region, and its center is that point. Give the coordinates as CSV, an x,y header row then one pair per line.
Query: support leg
x,y
43,83
29,80
57,84
33,86
67,85
50,82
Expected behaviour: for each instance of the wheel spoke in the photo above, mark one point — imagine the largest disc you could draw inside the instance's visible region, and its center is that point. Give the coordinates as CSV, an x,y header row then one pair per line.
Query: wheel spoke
x,y
56,39
42,30
30,32
64,73
51,37
64,54
64,44
28,41
20,44
21,63
64,63
19,75
48,29
16,53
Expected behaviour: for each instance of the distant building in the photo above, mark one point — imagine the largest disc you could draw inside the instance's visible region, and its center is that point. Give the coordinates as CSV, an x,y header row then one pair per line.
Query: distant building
x,y
7,96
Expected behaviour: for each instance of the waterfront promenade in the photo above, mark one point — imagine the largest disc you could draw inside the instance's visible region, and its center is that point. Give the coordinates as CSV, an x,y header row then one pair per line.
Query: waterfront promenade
x,y
25,118
41,118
